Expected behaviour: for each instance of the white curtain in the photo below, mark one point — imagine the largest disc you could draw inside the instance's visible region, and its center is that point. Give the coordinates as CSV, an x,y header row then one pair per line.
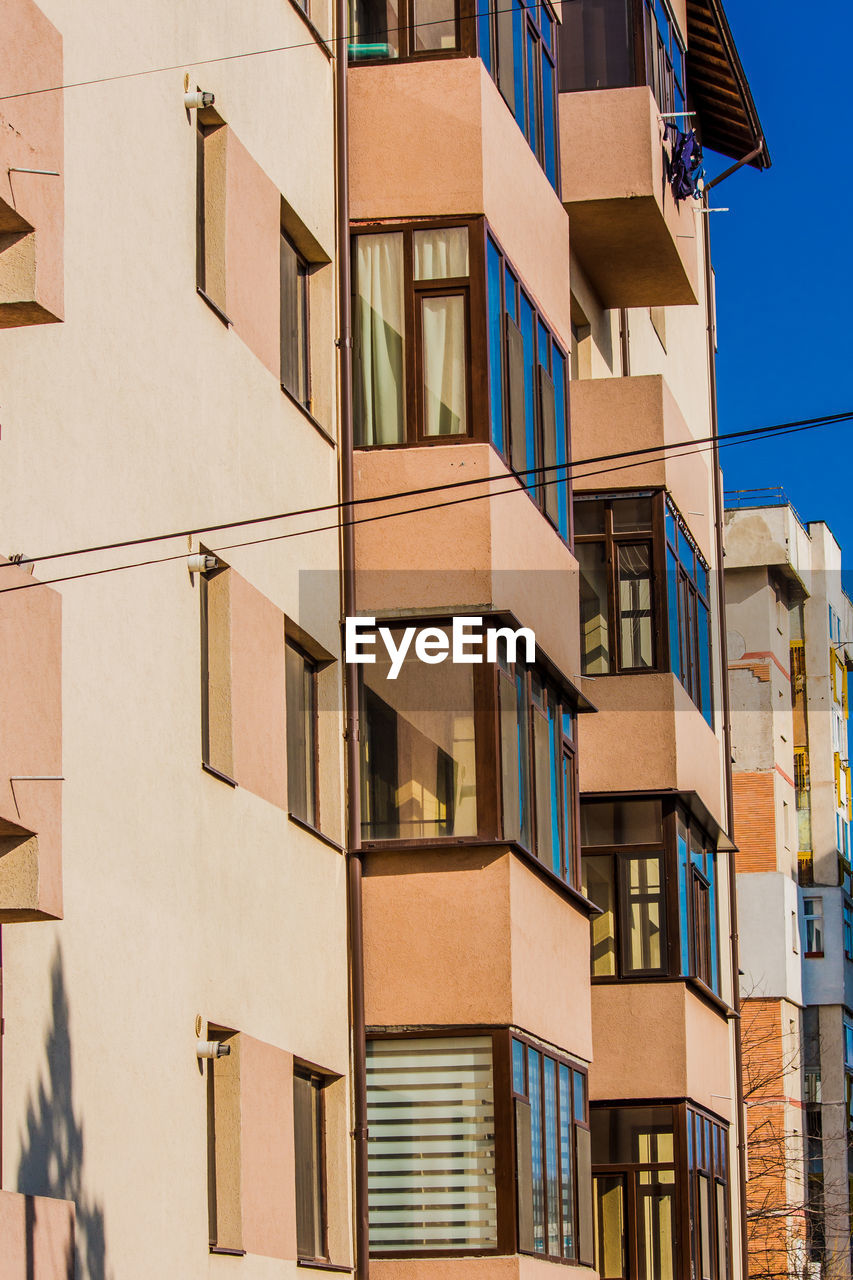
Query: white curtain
x,y
380,401
444,365
441,254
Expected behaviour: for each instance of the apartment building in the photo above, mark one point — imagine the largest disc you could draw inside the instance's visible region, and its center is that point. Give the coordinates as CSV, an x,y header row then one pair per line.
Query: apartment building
x,y
436,979
175,1062
789,653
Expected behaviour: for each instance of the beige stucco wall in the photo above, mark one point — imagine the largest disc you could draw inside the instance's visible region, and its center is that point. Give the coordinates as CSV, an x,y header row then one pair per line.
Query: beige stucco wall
x,y
182,896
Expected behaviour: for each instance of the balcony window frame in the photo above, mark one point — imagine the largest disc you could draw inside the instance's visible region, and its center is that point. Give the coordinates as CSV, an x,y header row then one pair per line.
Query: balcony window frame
x,y
506,1130
690,941
319,1224
465,47
491,827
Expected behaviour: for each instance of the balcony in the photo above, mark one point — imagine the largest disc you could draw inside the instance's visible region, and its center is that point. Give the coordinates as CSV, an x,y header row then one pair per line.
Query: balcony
x,y
436,139
473,937
38,1237
31,167
677,1046
471,556
616,415
30,749
638,247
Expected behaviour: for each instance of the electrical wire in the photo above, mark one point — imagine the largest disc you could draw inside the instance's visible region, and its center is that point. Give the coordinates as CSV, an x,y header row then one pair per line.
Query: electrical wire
x,y
747,436
689,449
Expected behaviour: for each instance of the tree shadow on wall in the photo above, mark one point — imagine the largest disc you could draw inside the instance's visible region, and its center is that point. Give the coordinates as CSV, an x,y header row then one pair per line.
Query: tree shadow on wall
x,y
52,1157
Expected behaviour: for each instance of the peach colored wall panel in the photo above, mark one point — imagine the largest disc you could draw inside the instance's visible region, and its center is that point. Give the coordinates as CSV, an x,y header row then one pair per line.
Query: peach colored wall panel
x,y
37,1236
436,139
709,1078
474,555
257,692
516,1267
31,137
267,1153
30,749
637,247
252,236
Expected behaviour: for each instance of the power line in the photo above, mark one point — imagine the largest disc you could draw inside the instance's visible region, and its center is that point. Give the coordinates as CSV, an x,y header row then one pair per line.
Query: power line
x,y
746,436
726,441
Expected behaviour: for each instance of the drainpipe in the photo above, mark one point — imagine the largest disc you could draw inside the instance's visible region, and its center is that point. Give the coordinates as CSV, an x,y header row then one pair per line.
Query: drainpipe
x,y
355,866
727,723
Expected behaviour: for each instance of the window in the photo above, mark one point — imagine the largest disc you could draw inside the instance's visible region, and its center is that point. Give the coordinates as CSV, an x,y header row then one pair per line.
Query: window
x,y
429,772
689,612
211,142
595,45
411,326
665,62
552,1154
614,544
813,922
479,1143
848,1044
217,748
652,873
847,914
517,46
432,1160
308,1129
528,390
301,717
634,1192
707,1152
294,324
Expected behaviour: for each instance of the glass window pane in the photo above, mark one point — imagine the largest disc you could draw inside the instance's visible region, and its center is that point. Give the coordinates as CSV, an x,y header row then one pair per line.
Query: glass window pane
x,y
563,488
518,24
496,401
308,1151
656,1243
444,366
552,1181
529,344
685,553
569,806
545,770
609,1205
549,160
441,254
599,887
294,323
533,1061
513,757
551,480
379,342
722,1233
580,1096
618,822
589,517
300,709
566,1162
673,604
705,1226
518,1067
635,605
374,29
434,25
431,1151
418,753
704,663
632,515
645,909
594,606
631,1135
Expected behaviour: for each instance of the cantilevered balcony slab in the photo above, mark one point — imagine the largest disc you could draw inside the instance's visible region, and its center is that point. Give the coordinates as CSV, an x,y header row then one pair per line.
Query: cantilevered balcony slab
x,y
649,735
624,415
638,247
477,553
435,139
659,1040
474,936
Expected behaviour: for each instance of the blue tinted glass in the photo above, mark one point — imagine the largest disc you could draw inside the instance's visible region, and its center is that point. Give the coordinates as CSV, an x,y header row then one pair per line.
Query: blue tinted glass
x,y
536,1143
670,527
685,553
712,905
495,346
546,22
551,1168
510,290
555,769
518,59
704,665
484,32
568,725
683,910
518,1066
672,611
580,1097
531,130
543,336
689,1139
529,388
525,831
549,161
562,445
662,19
701,578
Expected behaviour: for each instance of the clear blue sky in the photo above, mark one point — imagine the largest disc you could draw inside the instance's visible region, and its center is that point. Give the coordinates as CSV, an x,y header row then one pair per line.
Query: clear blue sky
x,y
784,261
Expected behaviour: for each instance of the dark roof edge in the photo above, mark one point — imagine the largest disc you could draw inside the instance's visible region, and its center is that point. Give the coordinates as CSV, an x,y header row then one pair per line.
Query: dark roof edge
x,y
729,49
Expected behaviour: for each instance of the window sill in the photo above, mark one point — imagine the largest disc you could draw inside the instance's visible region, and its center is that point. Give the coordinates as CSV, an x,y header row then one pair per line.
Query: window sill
x,y
306,413
217,773
217,311
317,1264
312,830
231,1253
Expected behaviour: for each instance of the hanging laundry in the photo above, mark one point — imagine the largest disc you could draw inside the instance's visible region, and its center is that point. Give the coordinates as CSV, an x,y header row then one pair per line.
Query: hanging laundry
x,y
685,167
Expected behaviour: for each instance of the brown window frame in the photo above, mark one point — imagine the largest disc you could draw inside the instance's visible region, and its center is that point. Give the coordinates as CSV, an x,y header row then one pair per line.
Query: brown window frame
x,y
311,669
506,1158
653,537
487,738
302,357
319,1169
466,38
698,949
